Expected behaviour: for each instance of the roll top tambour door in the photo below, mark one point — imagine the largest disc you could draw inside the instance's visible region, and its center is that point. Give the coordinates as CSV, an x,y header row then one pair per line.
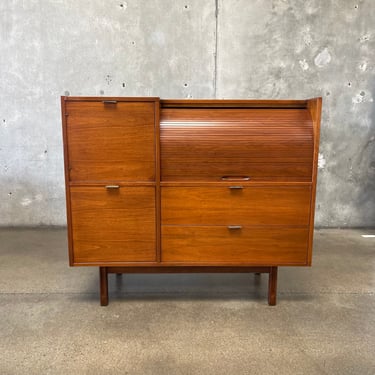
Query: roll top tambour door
x,y
200,144
112,141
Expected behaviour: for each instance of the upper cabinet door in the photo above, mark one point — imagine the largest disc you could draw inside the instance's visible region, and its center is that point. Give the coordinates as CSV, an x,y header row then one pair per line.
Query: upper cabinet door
x,y
216,144
111,141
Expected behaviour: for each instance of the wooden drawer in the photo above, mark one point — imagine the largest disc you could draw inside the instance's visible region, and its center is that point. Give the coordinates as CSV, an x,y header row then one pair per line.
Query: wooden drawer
x,y
236,204
114,142
218,244
261,144
113,225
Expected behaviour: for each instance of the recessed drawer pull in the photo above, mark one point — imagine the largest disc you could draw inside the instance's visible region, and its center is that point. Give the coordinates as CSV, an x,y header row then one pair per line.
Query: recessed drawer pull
x,y
112,186
235,178
234,227
109,101
236,187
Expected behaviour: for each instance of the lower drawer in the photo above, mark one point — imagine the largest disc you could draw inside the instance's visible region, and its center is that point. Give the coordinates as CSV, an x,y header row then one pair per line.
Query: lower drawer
x,y
219,244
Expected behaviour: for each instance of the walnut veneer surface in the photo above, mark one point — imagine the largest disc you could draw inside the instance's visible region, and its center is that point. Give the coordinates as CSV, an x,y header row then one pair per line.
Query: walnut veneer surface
x,y
156,183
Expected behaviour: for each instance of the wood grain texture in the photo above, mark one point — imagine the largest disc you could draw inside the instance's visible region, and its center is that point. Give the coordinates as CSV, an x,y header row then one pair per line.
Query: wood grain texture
x,y
259,246
206,144
113,142
113,225
236,204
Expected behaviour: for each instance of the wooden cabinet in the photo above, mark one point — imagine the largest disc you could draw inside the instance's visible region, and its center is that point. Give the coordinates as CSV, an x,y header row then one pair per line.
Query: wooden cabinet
x,y
190,185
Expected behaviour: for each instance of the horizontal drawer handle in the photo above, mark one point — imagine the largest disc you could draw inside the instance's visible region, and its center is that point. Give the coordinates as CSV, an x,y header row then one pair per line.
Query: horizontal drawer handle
x,y
235,178
235,187
109,101
112,186
234,227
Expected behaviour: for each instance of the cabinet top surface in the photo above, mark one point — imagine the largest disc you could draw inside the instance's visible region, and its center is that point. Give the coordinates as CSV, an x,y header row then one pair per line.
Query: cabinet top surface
x,y
251,103
106,98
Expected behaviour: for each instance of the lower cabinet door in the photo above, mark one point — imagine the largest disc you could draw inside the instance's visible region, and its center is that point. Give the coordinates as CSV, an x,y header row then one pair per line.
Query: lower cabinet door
x,y
235,244
112,224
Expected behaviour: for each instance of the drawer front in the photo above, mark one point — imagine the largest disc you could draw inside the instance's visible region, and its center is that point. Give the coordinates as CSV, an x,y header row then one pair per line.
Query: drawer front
x,y
112,142
113,225
218,244
236,204
261,144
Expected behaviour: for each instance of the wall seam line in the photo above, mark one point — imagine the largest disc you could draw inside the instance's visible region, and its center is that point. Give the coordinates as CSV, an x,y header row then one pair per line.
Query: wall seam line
x,y
216,45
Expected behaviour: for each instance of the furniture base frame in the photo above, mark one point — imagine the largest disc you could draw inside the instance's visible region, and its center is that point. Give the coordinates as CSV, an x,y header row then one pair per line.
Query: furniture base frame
x,y
272,280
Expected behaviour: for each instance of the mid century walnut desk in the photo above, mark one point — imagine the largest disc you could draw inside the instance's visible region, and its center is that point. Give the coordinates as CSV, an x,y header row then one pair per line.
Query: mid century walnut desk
x,y
190,185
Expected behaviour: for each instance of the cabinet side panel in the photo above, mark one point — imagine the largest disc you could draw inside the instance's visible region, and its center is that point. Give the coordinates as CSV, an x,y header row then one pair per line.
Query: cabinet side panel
x,y
315,108
157,181
66,172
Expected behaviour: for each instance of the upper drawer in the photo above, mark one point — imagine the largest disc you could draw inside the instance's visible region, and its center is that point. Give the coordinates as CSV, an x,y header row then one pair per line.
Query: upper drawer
x,y
231,205
262,144
111,141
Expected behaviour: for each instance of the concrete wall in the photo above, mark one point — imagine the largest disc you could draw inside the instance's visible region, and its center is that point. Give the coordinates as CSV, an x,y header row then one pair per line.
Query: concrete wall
x,y
186,49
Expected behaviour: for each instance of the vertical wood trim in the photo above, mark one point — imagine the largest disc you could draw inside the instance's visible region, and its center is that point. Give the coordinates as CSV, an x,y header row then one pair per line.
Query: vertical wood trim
x,y
157,181
64,116
315,108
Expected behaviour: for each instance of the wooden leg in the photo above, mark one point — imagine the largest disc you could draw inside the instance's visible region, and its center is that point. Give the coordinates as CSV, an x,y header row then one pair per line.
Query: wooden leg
x,y
272,286
103,286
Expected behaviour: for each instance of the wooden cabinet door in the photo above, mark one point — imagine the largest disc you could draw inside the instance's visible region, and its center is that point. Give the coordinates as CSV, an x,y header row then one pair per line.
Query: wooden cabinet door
x,y
111,141
113,225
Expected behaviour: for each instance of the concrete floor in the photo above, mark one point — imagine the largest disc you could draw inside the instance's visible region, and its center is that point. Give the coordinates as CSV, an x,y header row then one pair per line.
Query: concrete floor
x,y
51,321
